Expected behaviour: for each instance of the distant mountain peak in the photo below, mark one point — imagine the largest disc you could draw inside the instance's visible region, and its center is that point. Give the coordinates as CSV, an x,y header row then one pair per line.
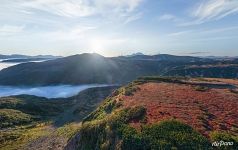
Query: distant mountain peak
x,y
135,54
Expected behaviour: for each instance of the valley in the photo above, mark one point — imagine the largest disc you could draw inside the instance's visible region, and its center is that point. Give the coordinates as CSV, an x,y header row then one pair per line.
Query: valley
x,y
54,91
25,119
89,102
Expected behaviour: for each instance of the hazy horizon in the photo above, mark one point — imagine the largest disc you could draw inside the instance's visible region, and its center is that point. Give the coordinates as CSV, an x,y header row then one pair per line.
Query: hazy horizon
x,y
127,54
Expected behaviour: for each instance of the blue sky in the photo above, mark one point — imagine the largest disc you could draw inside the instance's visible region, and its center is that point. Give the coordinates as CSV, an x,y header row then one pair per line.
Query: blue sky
x,y
119,27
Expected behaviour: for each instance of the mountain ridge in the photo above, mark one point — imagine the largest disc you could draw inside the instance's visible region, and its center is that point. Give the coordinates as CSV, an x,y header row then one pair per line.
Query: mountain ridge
x,y
90,68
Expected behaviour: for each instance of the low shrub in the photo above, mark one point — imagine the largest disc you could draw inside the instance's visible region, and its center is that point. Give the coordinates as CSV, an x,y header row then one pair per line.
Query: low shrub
x,y
130,89
132,140
10,118
173,134
114,131
106,108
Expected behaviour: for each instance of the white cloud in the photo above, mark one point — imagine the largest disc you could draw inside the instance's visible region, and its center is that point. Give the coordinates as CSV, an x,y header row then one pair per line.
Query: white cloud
x,y
220,30
74,33
168,17
133,18
119,5
73,8
212,10
56,14
215,38
82,29
203,32
179,33
10,30
216,9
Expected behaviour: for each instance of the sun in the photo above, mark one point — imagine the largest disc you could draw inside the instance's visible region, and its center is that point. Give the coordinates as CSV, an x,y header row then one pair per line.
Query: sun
x,y
97,45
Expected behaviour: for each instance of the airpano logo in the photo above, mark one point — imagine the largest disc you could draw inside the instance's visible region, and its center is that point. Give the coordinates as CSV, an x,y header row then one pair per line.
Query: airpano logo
x,y
222,143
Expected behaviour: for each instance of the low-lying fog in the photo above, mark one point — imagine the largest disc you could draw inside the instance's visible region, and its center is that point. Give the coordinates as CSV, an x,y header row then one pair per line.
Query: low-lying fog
x,y
6,65
59,91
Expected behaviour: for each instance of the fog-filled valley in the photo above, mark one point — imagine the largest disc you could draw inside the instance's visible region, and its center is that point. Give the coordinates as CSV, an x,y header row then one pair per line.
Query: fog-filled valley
x,y
58,91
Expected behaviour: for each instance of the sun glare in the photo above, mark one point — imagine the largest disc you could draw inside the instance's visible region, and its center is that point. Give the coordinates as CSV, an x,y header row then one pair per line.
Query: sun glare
x,y
97,45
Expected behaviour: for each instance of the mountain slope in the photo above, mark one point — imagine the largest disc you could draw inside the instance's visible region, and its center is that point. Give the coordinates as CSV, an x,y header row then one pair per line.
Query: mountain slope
x,y
210,71
29,122
166,57
78,69
163,113
89,68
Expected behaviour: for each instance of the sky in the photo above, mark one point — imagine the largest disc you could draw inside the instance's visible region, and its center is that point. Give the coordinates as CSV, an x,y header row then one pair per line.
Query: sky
x,y
119,27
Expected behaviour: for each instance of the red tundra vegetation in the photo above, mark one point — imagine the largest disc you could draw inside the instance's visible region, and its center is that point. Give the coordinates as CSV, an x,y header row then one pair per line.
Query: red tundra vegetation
x,y
205,104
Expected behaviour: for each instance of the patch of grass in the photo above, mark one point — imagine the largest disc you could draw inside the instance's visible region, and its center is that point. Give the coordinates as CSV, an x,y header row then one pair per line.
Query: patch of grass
x,y
130,89
111,103
137,113
106,108
114,132
7,136
201,88
68,130
127,90
81,110
19,137
33,105
169,134
101,132
172,134
131,139
160,79
11,117
203,79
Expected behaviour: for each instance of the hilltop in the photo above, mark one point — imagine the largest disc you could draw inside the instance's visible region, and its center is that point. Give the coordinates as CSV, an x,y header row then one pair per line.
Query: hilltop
x,y
163,113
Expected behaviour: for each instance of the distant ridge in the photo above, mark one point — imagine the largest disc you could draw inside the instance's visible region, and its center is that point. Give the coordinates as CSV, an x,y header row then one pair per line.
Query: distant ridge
x,y
163,57
135,54
90,68
18,56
